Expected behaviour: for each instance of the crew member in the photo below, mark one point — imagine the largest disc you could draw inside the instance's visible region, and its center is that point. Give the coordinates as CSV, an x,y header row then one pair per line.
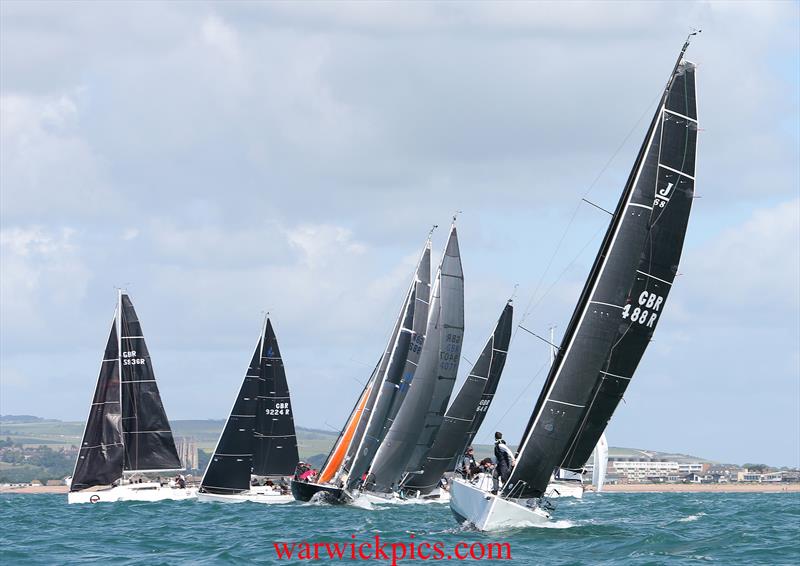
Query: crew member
x,y
503,456
468,464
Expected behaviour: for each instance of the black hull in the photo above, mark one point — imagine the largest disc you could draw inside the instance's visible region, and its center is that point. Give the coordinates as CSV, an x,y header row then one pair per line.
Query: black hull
x,y
304,491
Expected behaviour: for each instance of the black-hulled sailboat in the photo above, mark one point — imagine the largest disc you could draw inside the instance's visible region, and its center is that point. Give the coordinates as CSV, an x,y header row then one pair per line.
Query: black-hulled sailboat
x,y
127,436
614,320
257,448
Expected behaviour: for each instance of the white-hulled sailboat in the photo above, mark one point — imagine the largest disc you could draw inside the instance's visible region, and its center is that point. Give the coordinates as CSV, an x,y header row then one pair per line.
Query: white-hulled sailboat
x,y
258,445
613,322
127,432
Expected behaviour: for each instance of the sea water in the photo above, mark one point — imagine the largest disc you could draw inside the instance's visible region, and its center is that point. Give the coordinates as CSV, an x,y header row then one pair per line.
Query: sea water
x,y
609,528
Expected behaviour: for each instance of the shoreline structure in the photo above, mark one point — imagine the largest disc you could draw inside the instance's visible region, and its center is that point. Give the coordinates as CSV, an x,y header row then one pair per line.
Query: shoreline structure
x,y
613,488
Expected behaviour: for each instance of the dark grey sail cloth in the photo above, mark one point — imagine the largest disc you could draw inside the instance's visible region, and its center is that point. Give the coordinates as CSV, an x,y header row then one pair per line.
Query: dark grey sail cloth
x,y
449,355
488,392
444,328
147,436
456,428
395,368
99,459
657,267
275,440
601,316
230,466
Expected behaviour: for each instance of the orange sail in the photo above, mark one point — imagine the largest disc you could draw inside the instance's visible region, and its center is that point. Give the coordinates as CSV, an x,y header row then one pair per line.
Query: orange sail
x,y
335,461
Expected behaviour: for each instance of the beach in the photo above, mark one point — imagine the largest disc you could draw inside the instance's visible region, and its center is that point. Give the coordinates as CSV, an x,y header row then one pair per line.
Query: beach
x,y
703,488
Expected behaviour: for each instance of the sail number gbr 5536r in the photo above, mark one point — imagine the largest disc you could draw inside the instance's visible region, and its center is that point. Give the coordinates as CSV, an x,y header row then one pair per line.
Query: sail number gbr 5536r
x,y
647,311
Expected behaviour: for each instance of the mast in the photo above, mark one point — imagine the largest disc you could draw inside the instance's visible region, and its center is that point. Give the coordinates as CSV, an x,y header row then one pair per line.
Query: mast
x,y
605,303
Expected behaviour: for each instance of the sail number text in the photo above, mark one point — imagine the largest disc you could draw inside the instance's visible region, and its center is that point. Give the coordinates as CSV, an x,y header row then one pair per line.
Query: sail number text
x,y
448,356
647,311
280,409
483,406
129,359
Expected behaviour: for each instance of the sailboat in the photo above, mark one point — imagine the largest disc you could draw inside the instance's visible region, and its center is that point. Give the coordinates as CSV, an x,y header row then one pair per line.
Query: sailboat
x,y
258,443
342,474
470,405
614,320
600,464
426,400
127,432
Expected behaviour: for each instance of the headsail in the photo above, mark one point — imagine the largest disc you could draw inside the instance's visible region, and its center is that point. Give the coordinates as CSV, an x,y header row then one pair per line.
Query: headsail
x,y
275,440
149,445
443,334
229,469
455,431
100,456
622,299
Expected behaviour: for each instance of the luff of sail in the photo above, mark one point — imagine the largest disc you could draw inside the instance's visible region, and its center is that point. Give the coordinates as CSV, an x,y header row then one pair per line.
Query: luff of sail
x,y
658,264
100,455
147,436
444,328
455,430
593,331
400,357
230,466
274,438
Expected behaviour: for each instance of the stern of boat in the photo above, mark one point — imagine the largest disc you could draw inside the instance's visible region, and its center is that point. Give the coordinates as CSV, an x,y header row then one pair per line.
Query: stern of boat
x,y
486,512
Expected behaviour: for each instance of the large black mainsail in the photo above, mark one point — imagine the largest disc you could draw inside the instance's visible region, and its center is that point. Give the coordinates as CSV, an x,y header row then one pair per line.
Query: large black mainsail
x,y
623,297
456,429
259,436
147,436
275,450
100,457
231,464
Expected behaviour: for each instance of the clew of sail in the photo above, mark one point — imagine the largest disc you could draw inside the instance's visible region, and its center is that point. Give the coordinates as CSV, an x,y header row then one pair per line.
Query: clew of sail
x,y
620,303
456,430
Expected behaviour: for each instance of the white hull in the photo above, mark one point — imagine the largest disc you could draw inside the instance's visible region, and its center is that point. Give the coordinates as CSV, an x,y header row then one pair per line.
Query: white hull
x,y
151,491
257,495
564,489
487,512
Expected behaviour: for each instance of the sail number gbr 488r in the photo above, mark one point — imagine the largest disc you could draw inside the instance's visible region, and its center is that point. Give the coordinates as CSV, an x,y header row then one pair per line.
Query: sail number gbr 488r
x,y
647,311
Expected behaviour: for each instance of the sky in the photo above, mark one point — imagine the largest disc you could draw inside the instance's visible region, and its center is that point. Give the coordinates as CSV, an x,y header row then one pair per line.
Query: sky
x,y
222,160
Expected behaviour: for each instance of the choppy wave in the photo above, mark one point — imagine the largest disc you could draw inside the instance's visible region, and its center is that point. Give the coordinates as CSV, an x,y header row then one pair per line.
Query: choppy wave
x,y
641,528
